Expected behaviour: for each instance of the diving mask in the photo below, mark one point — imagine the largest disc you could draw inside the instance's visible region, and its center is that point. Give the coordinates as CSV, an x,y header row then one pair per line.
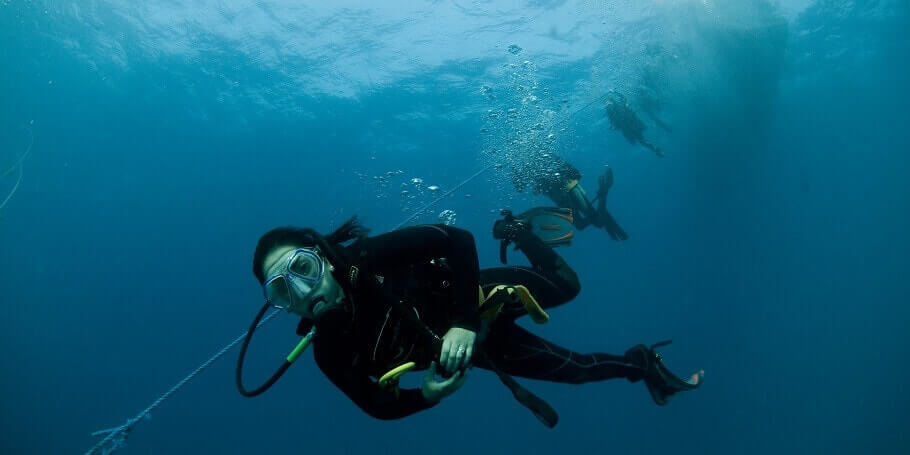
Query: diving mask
x,y
290,285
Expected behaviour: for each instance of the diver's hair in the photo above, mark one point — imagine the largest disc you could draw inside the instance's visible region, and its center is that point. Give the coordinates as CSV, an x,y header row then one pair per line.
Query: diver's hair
x,y
304,237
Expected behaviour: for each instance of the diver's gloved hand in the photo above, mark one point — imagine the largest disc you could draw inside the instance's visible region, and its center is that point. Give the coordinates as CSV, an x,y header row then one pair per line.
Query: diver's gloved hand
x,y
434,390
457,349
661,382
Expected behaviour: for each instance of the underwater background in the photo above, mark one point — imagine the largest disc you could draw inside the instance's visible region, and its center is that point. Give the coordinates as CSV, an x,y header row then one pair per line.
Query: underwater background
x,y
145,147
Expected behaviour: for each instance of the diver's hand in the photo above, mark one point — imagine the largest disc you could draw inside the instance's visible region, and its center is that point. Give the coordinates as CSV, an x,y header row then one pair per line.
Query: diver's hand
x,y
434,390
457,349
605,182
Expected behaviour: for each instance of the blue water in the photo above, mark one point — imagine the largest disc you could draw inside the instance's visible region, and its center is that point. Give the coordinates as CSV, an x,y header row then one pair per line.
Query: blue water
x,y
770,244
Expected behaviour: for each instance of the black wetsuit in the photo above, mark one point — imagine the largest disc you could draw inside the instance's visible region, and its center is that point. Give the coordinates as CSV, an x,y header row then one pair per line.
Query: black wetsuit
x,y
518,352
434,270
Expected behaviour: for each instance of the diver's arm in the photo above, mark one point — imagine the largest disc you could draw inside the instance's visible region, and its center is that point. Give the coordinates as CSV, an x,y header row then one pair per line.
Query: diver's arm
x,y
419,244
378,402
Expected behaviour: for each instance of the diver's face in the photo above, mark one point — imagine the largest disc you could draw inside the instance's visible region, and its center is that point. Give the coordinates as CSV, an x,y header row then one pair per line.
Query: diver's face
x,y
300,280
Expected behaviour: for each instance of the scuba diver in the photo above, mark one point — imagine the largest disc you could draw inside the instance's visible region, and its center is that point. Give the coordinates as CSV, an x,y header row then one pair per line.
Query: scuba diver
x,y
415,299
623,118
559,180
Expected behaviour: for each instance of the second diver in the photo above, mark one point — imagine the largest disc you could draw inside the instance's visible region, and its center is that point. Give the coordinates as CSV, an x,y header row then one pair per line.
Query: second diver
x,y
560,181
624,119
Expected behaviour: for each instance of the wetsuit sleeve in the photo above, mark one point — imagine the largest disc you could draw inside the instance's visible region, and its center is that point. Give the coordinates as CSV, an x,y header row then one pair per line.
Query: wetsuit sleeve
x,y
376,401
420,244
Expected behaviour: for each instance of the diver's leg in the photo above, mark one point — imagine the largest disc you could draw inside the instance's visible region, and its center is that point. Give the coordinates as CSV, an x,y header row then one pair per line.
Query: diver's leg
x,y
564,199
549,266
581,204
550,280
651,146
515,351
598,217
581,217
605,219
549,289
663,125
580,221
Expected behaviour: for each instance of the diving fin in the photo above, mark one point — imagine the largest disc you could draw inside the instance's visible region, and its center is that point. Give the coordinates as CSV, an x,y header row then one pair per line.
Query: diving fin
x,y
661,382
540,408
554,225
613,228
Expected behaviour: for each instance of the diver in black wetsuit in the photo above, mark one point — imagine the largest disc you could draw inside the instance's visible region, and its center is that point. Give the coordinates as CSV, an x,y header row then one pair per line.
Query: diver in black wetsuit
x,y
377,303
624,119
559,180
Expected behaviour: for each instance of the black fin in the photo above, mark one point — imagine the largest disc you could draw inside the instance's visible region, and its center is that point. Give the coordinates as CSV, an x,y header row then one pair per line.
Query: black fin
x,y
541,409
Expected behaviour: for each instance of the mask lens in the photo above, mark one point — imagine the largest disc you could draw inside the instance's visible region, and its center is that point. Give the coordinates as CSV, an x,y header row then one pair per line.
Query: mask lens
x,y
290,288
278,293
306,264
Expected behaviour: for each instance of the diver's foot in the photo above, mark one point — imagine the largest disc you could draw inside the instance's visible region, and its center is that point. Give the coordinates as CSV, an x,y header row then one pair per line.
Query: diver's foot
x,y
661,382
657,151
